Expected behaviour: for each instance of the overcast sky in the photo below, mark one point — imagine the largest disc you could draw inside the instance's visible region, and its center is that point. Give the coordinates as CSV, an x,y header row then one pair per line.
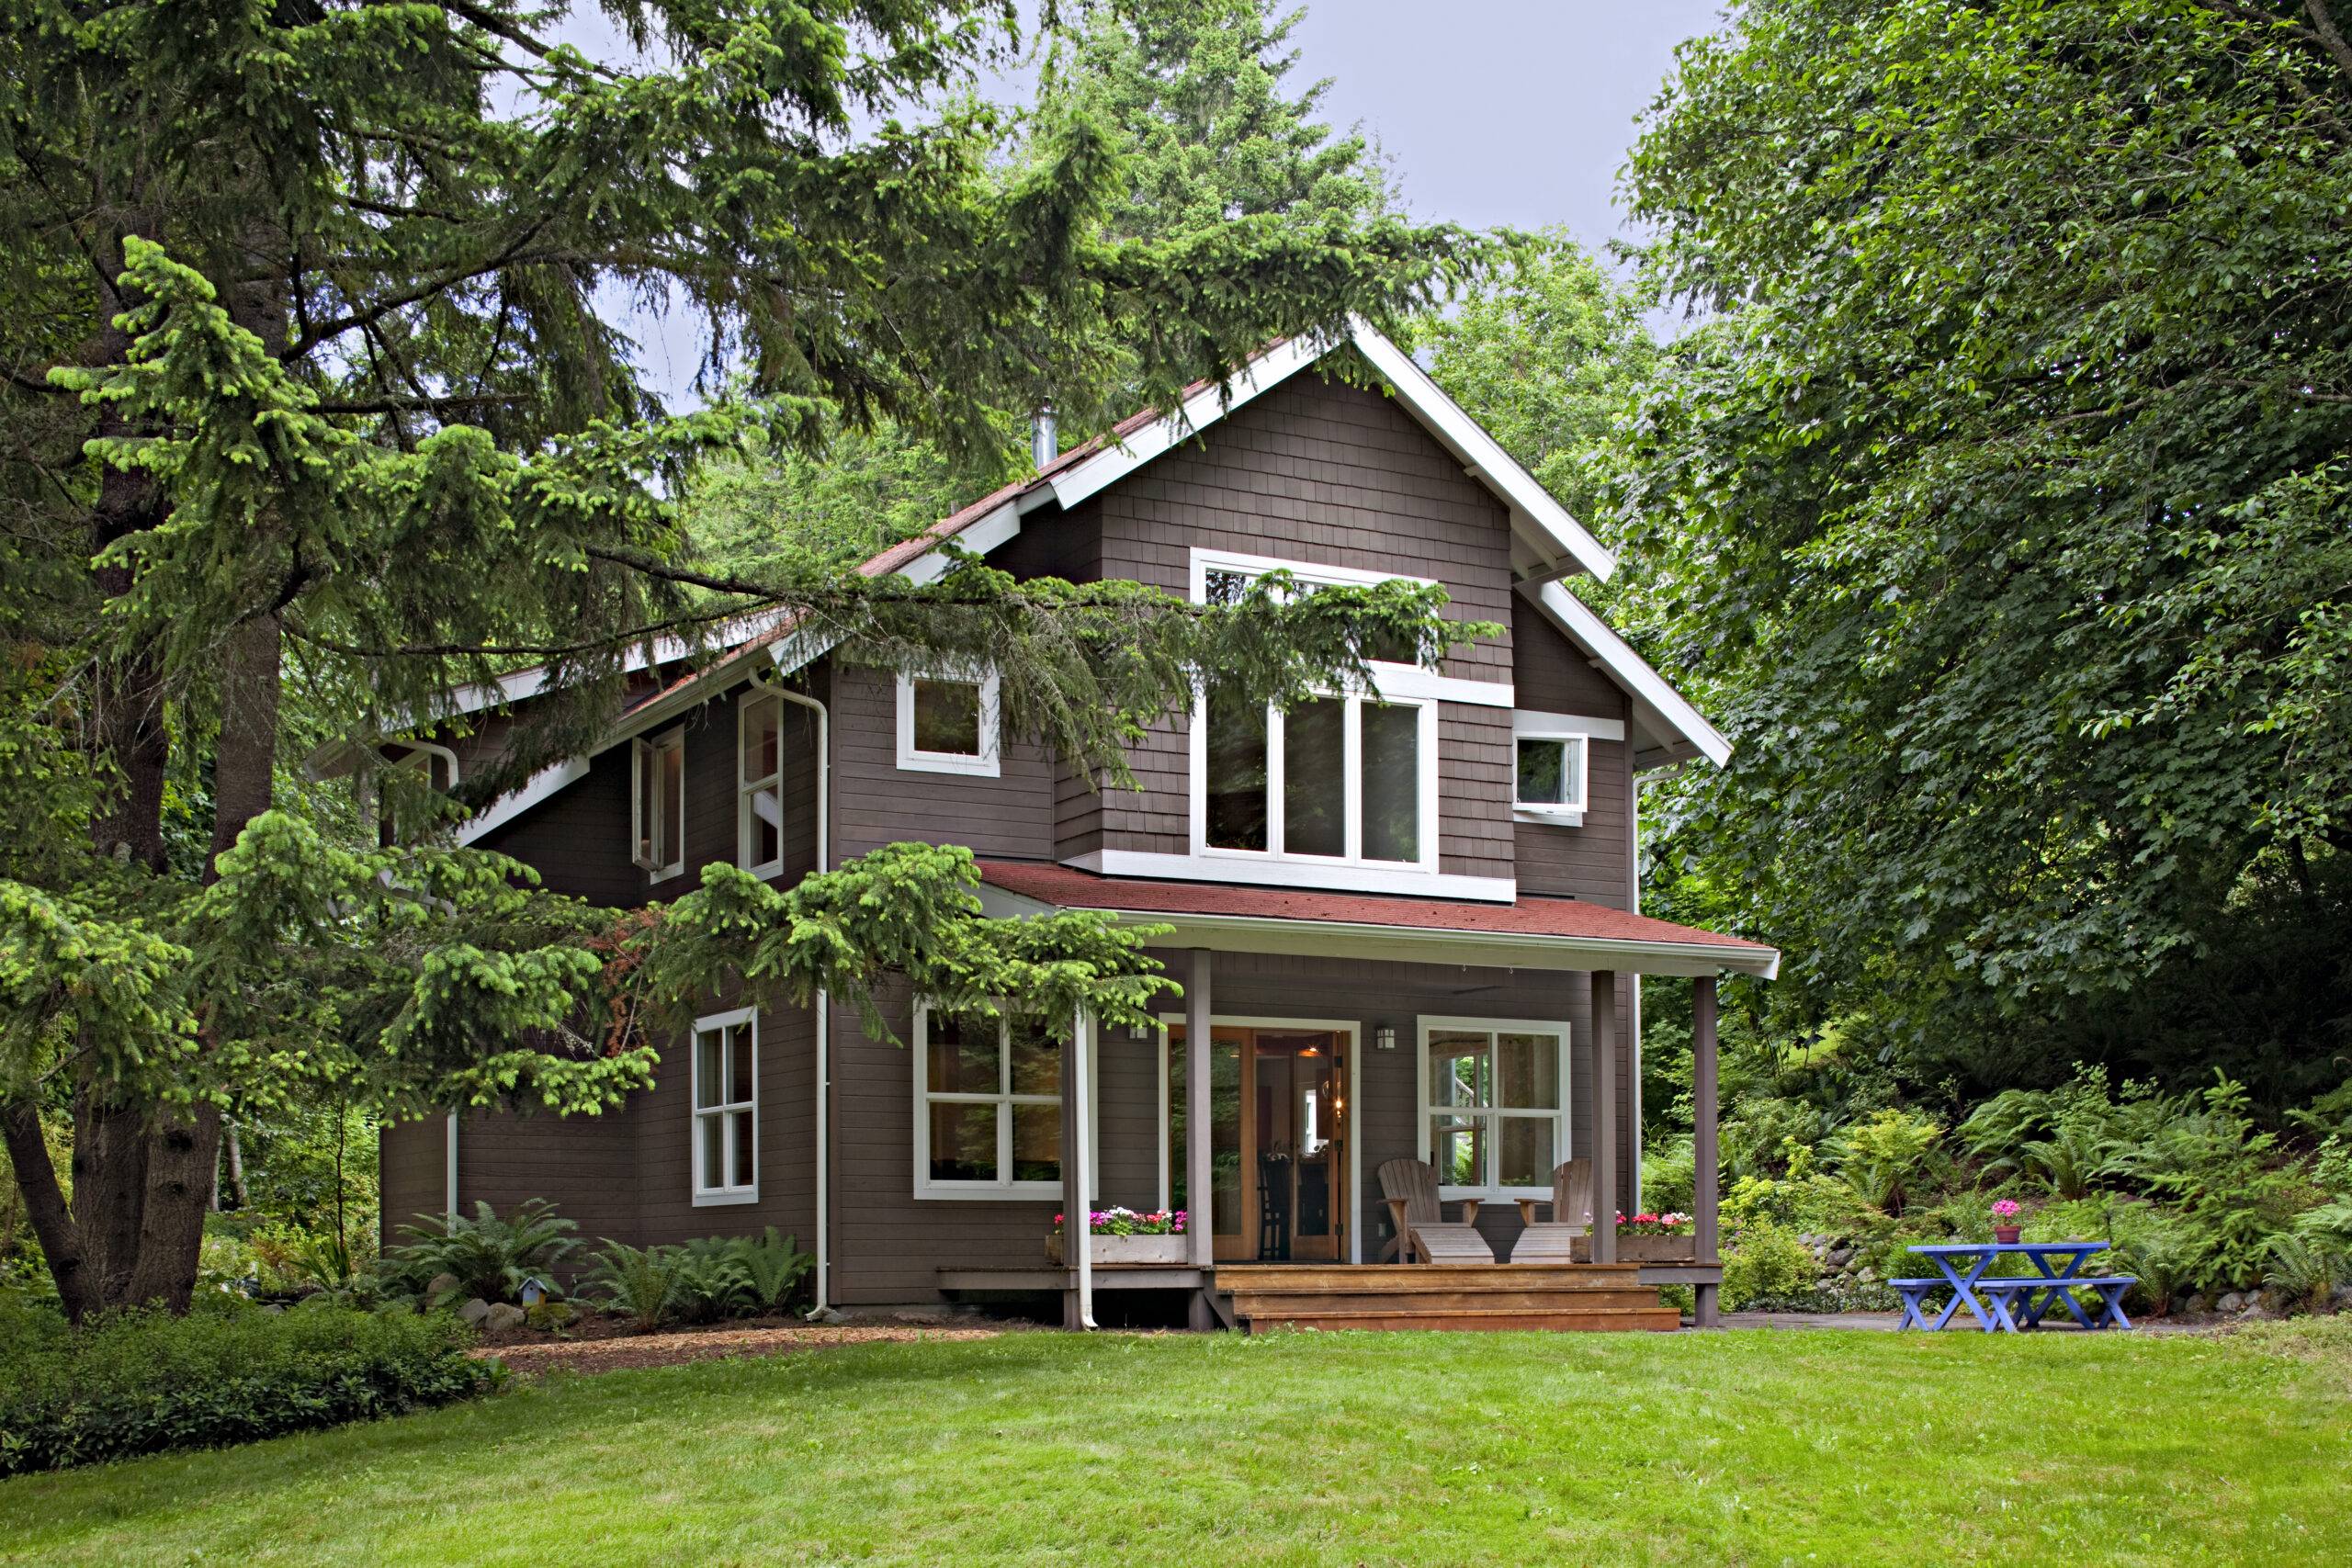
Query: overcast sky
x,y
1493,112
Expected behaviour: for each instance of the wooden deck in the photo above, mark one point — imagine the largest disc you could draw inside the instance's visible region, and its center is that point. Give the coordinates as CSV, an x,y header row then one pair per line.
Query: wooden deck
x,y
1589,1296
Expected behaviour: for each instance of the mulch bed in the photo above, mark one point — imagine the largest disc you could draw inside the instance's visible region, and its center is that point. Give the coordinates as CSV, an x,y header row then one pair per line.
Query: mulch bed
x,y
609,1344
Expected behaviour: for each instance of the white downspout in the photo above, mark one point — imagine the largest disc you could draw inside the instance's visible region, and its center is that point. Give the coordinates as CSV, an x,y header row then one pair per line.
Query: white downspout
x,y
450,1177
1077,1224
824,1004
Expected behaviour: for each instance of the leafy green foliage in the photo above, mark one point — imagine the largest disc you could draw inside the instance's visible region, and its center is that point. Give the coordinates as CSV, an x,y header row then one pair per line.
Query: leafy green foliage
x,y
2000,511
1887,1156
140,1382
489,1257
639,1282
700,1282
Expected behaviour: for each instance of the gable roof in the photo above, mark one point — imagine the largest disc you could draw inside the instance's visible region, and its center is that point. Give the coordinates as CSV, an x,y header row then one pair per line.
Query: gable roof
x,y
1674,729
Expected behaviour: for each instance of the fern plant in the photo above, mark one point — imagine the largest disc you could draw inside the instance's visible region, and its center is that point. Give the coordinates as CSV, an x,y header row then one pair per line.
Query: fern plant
x,y
487,1256
773,1266
2303,1272
638,1283
1885,1157
712,1280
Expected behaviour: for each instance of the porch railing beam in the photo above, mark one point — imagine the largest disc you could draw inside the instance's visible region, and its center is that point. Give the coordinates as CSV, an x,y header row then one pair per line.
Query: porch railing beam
x,y
1705,1111
1200,1223
1605,1197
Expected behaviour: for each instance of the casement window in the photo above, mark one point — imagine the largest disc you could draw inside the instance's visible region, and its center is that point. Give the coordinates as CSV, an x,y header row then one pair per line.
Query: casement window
x,y
658,808
726,1100
1341,780
759,771
948,724
988,1106
1348,780
1551,775
1494,1104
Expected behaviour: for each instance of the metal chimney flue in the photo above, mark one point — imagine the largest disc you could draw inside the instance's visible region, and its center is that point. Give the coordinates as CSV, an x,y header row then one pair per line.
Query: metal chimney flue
x,y
1045,442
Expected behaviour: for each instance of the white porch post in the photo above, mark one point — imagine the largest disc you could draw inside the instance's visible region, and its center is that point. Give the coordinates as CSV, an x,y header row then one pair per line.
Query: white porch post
x,y
1703,1113
1604,1116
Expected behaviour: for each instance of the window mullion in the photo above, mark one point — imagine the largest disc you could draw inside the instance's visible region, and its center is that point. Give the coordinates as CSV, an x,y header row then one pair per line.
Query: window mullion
x,y
1352,778
1277,780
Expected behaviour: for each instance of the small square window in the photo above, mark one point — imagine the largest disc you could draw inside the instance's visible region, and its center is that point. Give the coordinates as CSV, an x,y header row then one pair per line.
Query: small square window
x,y
1550,774
947,725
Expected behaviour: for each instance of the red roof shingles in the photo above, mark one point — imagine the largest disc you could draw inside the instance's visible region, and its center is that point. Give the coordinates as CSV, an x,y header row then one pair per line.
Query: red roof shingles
x,y
1531,916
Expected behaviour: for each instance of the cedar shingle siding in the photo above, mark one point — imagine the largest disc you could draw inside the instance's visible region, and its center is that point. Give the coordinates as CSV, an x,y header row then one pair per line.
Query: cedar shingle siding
x,y
1314,470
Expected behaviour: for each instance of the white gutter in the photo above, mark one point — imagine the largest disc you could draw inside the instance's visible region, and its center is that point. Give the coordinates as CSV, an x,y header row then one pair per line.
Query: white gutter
x,y
450,1177
767,682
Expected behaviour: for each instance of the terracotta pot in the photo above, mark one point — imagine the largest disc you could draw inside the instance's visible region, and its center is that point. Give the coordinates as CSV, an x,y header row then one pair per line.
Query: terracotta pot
x,y
2004,1235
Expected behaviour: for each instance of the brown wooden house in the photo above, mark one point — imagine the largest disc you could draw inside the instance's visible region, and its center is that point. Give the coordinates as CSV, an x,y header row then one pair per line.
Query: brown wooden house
x,y
1406,927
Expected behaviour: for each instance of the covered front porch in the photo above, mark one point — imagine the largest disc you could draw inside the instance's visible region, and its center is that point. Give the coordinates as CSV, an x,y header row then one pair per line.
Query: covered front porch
x,y
1326,1035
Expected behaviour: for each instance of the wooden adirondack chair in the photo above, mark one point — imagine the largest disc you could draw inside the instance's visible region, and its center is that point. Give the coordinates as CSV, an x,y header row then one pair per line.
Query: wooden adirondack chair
x,y
1554,1241
1410,1186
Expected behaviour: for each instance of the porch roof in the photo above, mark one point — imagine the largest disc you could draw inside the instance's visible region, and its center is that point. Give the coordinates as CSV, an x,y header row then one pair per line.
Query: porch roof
x,y
1534,932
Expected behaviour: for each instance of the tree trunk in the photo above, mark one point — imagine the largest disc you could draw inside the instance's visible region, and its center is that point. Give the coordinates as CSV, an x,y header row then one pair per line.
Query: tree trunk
x,y
236,1148
180,1155
110,1149
52,1223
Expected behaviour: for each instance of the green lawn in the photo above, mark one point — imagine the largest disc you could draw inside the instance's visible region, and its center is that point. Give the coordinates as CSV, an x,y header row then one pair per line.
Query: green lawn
x,y
1738,1447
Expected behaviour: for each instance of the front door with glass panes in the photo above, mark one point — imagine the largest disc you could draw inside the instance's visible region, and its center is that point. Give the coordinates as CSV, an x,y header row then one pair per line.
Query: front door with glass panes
x,y
1277,1141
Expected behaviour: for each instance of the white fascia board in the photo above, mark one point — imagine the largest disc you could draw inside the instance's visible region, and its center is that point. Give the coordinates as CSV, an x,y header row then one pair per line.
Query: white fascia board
x,y
547,782
1576,622
1242,869
1562,537
525,683
979,537
1198,411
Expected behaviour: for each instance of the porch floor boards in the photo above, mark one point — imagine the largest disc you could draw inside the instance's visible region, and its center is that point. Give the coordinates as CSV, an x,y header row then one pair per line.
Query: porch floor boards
x,y
1569,1297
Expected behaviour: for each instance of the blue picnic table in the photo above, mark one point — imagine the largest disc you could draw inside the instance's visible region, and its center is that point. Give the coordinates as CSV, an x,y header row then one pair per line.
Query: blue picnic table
x,y
2007,1305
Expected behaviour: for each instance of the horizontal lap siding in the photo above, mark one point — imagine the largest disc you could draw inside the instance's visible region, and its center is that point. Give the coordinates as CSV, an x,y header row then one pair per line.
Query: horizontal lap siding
x,y
412,1170
1594,859
1321,472
663,1116
875,802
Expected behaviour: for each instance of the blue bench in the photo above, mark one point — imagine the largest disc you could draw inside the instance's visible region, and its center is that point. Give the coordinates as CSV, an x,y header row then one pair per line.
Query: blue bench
x,y
1914,1296
2010,1297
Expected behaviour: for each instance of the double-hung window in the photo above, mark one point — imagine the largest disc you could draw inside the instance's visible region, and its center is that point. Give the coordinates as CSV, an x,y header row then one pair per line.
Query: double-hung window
x,y
947,724
1334,780
759,771
658,804
726,1102
988,1106
1494,1105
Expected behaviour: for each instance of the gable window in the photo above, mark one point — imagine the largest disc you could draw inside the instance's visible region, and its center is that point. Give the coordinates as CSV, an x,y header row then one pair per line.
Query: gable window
x,y
1494,1105
658,809
759,772
726,1099
988,1106
948,724
1340,778
1550,774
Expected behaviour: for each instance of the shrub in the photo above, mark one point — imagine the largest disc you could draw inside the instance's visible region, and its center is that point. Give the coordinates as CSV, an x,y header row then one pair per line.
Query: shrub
x,y
638,1283
489,1257
227,1373
709,1282
774,1265
1888,1156
1766,1265
1669,1178
2303,1272
2332,1167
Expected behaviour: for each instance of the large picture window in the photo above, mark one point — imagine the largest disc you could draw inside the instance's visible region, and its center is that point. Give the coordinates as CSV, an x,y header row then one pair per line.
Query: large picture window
x,y
759,798
988,1106
1494,1105
657,805
1349,779
726,1097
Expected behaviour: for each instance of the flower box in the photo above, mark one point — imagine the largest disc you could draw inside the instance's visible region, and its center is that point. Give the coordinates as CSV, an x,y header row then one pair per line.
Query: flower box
x,y
1173,1249
1645,1249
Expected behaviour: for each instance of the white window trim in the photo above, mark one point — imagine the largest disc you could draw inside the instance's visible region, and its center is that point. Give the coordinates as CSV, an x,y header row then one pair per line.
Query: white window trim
x,y
1353,860
715,1197
643,755
1004,1187
1563,1140
747,790
988,764
1577,734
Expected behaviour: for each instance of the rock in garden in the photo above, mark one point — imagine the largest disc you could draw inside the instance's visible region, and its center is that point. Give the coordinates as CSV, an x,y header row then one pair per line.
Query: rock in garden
x,y
439,1286
2197,1303
826,1315
474,1310
2231,1302
1839,1256
501,1316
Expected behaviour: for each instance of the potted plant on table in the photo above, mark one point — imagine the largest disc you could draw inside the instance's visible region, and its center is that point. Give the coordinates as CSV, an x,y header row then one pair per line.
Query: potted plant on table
x,y
2005,1221
1122,1235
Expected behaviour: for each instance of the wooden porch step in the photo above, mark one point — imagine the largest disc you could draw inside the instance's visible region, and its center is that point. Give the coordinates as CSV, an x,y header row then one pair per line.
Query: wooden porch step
x,y
1297,1304
1652,1319
1424,1278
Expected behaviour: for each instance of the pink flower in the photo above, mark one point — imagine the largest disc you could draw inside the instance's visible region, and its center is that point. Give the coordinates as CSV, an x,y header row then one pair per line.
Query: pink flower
x,y
2005,1209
